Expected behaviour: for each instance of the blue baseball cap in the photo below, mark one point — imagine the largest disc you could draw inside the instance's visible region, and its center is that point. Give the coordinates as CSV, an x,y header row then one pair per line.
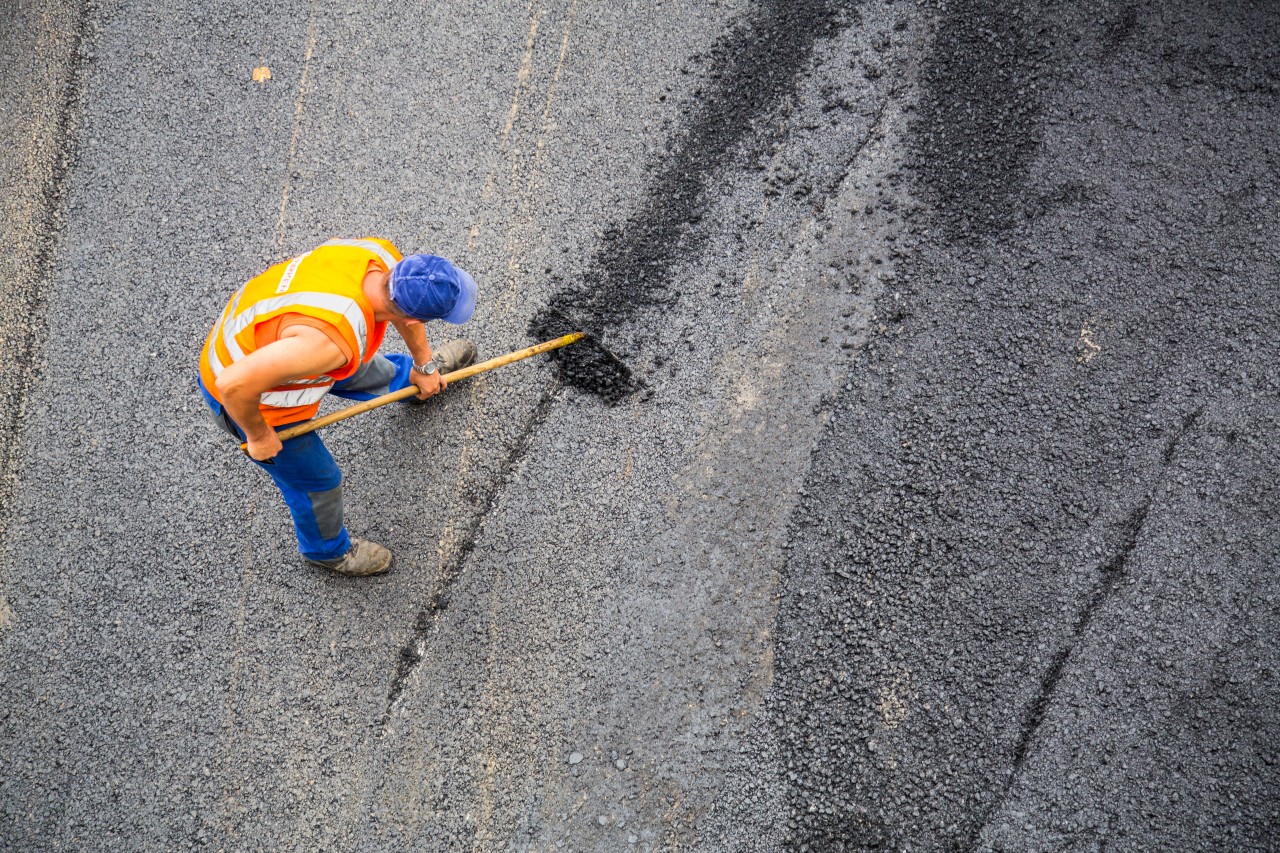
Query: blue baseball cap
x,y
429,287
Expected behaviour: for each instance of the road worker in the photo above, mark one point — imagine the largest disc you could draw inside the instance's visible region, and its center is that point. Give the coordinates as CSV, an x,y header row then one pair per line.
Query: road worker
x,y
312,326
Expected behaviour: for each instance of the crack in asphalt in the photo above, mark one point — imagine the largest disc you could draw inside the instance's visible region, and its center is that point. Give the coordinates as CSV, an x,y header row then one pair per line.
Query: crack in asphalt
x,y
414,650
634,259
47,228
1109,576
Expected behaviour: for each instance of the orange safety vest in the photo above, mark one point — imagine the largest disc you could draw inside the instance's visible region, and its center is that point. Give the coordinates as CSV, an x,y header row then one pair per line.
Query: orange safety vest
x,y
324,283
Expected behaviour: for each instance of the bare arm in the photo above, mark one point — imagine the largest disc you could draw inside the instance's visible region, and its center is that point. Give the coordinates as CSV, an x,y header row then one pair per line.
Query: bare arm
x,y
301,351
415,338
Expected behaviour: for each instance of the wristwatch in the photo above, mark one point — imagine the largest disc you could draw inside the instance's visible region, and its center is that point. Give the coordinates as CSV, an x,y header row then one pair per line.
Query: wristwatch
x,y
426,369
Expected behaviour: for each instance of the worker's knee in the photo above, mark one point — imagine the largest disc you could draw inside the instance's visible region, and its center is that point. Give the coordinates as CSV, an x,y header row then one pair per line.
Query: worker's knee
x,y
327,508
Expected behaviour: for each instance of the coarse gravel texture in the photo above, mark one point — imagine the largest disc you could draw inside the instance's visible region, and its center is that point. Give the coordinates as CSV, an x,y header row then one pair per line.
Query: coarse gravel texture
x,y
1030,598
916,490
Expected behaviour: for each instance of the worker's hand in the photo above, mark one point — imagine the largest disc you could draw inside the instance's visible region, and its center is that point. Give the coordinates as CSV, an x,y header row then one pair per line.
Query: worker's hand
x,y
428,386
264,448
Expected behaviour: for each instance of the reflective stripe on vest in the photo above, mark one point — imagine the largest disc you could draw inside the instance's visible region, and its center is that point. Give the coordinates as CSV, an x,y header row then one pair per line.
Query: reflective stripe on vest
x,y
298,397
348,308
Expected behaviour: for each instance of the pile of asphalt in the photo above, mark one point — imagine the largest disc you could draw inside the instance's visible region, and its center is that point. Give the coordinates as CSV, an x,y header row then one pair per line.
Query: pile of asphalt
x,y
1029,602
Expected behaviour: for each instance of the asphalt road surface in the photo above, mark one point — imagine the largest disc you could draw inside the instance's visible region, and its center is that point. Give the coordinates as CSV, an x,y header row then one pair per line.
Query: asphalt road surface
x,y
918,490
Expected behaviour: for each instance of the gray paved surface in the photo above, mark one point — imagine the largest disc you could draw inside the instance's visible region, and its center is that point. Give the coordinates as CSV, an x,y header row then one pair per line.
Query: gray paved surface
x,y
935,508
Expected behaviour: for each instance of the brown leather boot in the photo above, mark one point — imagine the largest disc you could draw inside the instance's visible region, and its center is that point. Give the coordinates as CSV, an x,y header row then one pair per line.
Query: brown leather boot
x,y
454,355
362,558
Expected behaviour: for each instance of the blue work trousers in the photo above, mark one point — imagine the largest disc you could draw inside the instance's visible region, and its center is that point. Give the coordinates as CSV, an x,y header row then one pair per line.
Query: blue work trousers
x,y
304,470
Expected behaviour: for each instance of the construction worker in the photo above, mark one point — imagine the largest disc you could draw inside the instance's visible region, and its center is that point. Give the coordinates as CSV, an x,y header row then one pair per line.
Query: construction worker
x,y
312,326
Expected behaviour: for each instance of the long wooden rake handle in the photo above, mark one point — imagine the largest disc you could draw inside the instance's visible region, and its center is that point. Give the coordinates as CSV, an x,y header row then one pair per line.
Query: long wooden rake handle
x,y
412,390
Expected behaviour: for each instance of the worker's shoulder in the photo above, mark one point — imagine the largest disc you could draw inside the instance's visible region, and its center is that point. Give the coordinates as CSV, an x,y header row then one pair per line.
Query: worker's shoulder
x,y
390,247
384,242
380,246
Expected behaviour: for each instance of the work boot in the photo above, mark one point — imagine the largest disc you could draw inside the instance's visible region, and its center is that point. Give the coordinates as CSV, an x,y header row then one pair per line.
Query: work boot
x,y
454,355
362,558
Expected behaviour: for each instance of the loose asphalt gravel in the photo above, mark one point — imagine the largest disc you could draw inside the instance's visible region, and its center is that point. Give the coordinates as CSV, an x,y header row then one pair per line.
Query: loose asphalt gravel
x,y
917,490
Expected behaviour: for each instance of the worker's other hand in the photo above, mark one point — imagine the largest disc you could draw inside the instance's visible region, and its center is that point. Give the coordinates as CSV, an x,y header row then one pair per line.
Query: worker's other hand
x,y
428,385
264,448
